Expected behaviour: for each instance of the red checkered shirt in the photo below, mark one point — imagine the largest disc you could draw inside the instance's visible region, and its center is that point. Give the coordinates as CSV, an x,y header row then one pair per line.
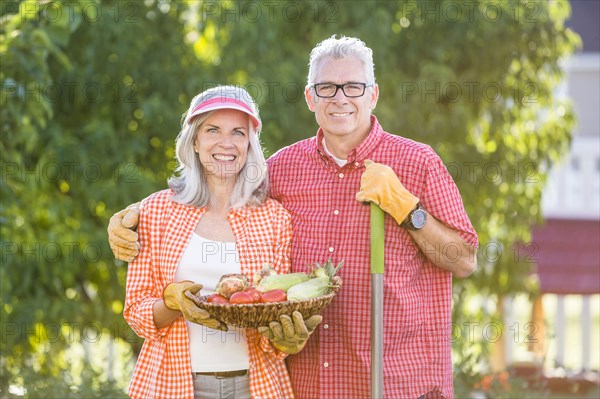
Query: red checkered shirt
x,y
163,368
328,223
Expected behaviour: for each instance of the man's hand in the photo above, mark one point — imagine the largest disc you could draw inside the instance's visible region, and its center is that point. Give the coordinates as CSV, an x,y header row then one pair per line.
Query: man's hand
x,y
379,184
122,238
175,299
290,334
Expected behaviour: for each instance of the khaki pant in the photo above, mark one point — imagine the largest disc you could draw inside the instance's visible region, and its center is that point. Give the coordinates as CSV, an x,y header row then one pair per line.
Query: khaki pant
x,y
209,387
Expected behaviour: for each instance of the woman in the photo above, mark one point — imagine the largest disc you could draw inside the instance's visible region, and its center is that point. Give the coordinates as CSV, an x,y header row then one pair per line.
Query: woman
x,y
215,219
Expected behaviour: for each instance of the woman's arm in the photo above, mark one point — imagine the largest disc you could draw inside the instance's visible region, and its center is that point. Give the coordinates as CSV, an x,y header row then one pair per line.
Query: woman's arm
x,y
142,287
163,316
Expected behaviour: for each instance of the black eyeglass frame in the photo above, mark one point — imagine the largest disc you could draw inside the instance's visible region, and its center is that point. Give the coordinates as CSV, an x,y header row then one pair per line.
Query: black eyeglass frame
x,y
338,87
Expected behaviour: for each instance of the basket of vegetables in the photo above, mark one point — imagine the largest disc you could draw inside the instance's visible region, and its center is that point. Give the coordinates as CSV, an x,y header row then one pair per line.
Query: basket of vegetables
x,y
239,303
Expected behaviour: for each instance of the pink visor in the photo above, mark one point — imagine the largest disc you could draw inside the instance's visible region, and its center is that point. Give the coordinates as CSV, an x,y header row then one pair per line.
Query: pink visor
x,y
226,103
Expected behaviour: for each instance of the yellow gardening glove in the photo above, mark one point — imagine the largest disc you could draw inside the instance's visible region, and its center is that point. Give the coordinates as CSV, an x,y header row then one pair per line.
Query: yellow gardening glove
x,y
290,336
175,299
122,237
379,184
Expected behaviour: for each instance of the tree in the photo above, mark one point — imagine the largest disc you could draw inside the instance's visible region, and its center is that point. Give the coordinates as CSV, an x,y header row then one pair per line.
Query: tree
x,y
92,96
92,93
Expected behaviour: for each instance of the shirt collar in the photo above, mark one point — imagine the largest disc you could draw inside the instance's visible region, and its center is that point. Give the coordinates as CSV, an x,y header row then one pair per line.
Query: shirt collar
x,y
340,162
243,212
359,153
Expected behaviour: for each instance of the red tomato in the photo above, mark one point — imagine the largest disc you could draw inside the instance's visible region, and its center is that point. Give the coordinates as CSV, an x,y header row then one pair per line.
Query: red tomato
x,y
216,298
241,297
274,296
254,293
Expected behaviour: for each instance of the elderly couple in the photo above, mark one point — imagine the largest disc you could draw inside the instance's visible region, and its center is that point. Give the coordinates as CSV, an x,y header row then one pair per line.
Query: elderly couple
x,y
307,207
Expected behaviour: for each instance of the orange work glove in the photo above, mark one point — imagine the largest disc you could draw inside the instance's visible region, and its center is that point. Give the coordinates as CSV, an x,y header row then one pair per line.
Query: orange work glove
x,y
379,184
290,334
175,299
122,237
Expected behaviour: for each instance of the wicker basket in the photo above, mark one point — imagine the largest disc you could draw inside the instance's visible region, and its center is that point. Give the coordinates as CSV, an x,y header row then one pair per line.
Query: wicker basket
x,y
254,315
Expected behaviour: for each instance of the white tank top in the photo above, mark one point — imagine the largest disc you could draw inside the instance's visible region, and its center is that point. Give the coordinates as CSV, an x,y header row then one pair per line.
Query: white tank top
x,y
204,262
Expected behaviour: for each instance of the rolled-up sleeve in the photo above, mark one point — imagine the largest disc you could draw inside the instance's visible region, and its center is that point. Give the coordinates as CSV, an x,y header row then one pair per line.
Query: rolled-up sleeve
x,y
142,288
266,346
442,199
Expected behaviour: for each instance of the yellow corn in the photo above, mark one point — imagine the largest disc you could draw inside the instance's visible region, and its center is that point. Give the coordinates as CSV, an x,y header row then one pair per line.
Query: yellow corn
x,y
281,281
312,288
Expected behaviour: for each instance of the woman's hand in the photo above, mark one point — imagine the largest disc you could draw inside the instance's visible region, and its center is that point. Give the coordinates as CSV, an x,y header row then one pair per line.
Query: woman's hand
x,y
175,299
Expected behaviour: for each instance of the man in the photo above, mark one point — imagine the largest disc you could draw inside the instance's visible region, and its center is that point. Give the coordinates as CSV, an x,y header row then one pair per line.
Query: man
x,y
324,182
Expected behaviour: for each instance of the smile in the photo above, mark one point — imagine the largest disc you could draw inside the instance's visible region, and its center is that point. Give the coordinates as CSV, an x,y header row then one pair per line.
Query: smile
x,y
340,114
220,157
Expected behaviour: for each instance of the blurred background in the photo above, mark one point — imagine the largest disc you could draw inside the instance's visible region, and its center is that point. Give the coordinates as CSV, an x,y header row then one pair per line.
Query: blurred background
x,y
506,92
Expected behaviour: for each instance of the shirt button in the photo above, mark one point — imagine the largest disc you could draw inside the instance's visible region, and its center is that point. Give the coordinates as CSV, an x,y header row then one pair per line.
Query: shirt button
x,y
325,326
356,164
330,249
325,364
336,212
341,175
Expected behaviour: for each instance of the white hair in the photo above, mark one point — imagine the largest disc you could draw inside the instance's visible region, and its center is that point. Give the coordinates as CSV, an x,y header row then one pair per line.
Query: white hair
x,y
189,182
341,48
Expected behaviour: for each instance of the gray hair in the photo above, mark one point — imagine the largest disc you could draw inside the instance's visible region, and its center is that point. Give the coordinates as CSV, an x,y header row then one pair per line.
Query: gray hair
x,y
341,48
189,182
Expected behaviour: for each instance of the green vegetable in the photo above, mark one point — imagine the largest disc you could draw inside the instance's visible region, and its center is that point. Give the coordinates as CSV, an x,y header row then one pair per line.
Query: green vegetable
x,y
281,281
320,283
327,269
312,288
266,270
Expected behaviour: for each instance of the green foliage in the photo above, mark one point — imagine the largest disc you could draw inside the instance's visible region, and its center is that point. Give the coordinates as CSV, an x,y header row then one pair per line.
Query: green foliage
x,y
92,98
62,386
92,95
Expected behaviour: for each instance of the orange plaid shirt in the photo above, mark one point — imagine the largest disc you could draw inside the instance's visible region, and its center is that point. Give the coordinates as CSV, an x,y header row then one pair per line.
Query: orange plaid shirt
x,y
163,369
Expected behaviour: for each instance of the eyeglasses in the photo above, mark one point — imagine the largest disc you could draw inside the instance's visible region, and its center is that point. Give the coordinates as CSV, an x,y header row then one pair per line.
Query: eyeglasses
x,y
329,90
